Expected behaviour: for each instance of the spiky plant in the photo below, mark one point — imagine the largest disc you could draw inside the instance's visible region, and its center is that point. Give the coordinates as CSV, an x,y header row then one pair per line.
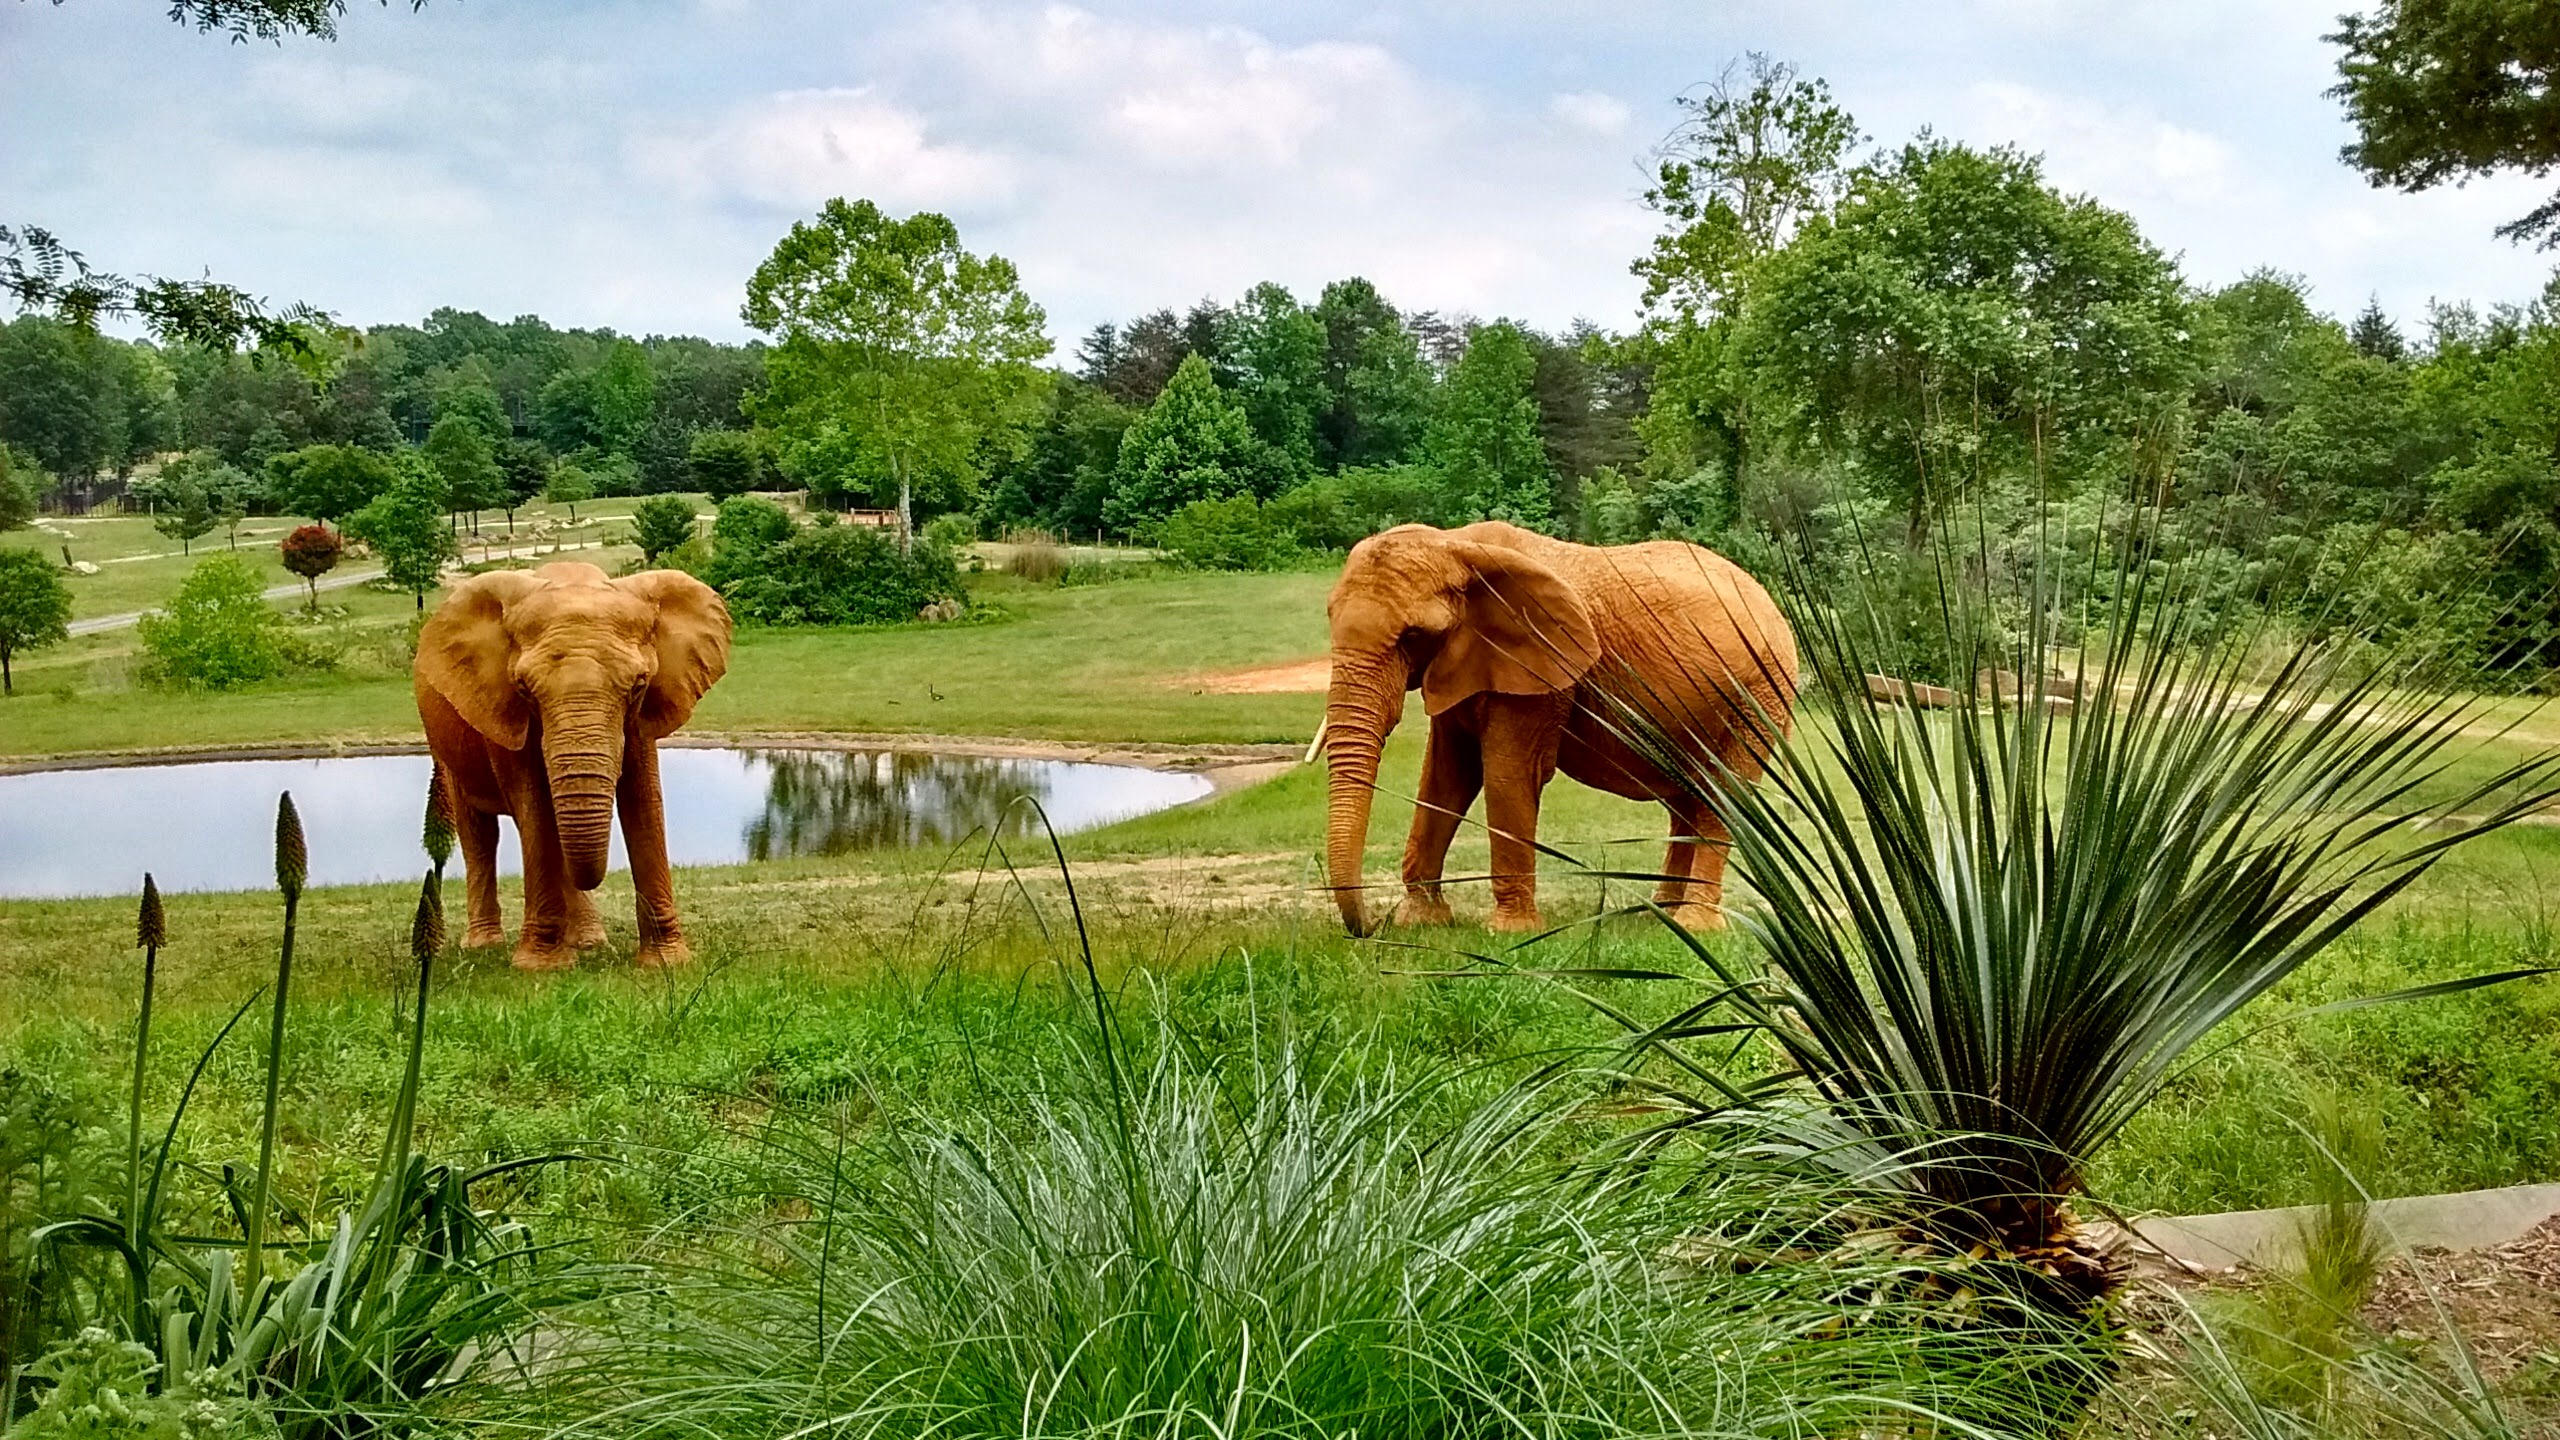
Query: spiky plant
x,y
293,866
1994,931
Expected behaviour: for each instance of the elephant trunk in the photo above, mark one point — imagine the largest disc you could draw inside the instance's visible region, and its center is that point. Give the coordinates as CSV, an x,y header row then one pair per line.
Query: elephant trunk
x,y
582,753
1362,703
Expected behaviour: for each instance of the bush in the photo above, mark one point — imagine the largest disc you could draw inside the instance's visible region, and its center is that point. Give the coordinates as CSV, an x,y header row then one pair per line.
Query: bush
x,y
22,485
218,631
1037,557
1336,512
950,531
1232,534
660,524
724,463
312,551
832,574
742,536
56,1162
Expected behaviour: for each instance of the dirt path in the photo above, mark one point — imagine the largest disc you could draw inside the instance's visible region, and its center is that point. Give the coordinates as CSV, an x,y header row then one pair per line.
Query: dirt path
x,y
1290,677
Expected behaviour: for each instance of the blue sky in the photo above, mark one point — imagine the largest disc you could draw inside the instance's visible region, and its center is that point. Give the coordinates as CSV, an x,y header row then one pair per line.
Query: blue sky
x,y
627,162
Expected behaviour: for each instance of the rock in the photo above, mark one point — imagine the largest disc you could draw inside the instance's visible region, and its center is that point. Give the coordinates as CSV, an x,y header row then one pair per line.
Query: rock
x,y
84,567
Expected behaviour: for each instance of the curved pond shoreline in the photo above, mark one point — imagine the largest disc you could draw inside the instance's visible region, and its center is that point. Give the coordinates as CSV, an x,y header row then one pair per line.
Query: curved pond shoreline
x,y
1227,767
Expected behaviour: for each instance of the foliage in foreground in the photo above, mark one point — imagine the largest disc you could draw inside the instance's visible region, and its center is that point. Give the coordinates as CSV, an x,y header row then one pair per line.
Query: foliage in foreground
x,y
1144,1243
1996,931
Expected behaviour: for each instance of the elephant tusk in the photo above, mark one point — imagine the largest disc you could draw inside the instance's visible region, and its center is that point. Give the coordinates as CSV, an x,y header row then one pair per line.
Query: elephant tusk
x,y
1316,746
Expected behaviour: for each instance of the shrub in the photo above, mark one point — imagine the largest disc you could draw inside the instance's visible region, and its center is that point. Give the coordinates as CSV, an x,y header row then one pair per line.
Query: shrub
x,y
22,485
55,1162
1336,512
950,531
742,536
109,1389
217,632
1037,557
724,463
569,485
660,524
1232,534
832,574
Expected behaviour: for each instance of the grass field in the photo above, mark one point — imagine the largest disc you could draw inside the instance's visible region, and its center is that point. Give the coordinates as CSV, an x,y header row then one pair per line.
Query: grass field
x,y
899,975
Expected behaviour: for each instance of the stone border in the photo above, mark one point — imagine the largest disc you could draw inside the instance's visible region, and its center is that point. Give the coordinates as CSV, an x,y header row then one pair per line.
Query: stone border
x,y
2461,1220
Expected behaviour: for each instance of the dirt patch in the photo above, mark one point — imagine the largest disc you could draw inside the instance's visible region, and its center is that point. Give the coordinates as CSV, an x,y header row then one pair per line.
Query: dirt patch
x,y
1290,677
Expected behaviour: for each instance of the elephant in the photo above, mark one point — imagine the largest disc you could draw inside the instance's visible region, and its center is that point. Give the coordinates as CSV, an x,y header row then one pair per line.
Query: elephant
x,y
1535,655
545,694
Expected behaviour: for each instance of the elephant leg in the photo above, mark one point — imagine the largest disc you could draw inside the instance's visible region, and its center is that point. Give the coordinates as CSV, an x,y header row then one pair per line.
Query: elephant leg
x,y
1519,759
1452,775
542,943
1692,889
644,834
478,831
580,921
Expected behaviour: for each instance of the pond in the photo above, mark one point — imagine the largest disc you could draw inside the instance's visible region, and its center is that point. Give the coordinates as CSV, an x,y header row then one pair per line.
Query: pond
x,y
210,825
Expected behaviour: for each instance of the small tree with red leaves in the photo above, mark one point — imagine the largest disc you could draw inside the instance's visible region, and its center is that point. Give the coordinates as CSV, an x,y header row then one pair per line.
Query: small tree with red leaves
x,y
311,552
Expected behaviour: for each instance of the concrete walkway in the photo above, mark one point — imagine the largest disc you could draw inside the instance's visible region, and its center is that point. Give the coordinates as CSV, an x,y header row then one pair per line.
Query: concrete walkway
x,y
2466,1220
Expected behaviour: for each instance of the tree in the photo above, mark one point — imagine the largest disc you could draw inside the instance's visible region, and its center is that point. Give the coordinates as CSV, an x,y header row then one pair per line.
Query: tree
x,y
312,551
35,608
1955,318
328,482
660,524
463,458
568,486
724,463
22,487
1485,439
526,468
2449,89
606,406
183,510
51,404
1066,473
2373,334
1192,444
406,526
1277,349
900,356
1757,152
466,392
1378,391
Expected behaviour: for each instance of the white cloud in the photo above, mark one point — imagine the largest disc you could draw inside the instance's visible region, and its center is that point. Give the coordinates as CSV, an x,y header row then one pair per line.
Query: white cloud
x,y
2126,156
799,147
1592,111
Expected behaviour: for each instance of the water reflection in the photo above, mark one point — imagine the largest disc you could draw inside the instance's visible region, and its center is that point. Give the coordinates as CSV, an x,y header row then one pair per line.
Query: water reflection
x,y
209,825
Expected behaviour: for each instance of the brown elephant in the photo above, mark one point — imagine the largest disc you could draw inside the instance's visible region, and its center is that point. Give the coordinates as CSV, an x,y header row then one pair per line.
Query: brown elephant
x,y
545,694
1533,655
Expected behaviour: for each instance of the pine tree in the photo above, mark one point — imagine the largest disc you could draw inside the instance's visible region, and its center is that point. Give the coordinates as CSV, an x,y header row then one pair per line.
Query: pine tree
x,y
1485,439
1192,444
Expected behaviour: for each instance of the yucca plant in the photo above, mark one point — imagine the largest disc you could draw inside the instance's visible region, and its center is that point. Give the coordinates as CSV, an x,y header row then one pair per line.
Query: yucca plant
x,y
1992,932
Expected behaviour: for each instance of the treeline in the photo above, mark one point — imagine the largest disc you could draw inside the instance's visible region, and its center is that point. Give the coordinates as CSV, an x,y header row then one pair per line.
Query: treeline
x,y
514,403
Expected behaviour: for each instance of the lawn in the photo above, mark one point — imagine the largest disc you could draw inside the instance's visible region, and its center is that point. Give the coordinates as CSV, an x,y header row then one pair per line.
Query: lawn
x,y
863,970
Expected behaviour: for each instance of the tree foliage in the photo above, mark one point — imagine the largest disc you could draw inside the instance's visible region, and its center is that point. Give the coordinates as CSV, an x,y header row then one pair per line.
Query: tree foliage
x,y
724,463
35,608
1192,444
328,482
405,526
660,524
1485,439
218,632
2444,90
901,359
311,551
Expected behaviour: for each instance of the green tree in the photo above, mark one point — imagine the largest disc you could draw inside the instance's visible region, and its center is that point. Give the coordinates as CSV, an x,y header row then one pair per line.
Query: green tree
x,y
1756,153
35,608
217,632
51,404
526,467
744,533
660,524
406,527
468,393
468,465
22,487
182,509
1277,349
2450,89
1956,318
328,482
1378,389
900,356
1485,439
569,485
724,463
1062,478
1192,444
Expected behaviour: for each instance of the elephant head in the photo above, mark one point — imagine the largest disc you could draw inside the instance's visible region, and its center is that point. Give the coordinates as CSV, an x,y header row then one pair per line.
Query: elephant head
x,y
1453,615
580,662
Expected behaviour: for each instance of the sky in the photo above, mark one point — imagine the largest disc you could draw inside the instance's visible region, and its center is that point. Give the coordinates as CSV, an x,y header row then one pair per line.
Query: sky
x,y
626,163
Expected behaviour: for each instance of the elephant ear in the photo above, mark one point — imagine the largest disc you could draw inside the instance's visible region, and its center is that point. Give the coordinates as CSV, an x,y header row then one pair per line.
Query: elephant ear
x,y
693,646
466,656
1520,631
